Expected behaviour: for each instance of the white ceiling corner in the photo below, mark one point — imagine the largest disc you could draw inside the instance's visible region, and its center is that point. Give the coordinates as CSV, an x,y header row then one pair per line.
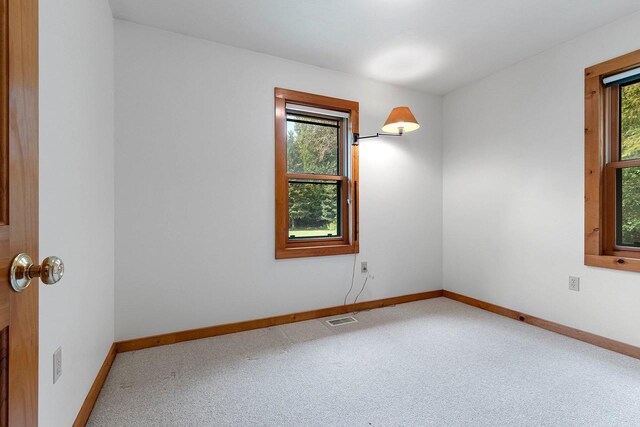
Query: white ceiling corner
x,y
428,45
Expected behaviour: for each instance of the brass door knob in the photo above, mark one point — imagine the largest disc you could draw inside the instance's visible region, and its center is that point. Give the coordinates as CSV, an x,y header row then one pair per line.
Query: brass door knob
x,y
22,271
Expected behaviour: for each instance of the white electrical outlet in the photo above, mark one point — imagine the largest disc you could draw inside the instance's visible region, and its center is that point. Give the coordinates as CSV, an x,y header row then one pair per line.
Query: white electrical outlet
x,y
57,364
363,267
574,283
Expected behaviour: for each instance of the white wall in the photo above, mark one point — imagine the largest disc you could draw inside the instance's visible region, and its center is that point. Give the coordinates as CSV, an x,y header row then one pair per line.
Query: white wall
x,y
76,199
195,188
513,190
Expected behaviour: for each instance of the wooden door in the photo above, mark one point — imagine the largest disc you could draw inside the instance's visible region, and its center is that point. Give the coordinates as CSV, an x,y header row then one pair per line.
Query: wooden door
x,y
18,209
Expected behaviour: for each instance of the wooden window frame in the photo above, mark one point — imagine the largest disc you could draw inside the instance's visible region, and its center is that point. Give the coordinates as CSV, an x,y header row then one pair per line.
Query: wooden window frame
x,y
346,244
601,157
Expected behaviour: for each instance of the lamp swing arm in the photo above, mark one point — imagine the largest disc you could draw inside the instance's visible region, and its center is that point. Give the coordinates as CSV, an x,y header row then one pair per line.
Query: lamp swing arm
x,y
357,137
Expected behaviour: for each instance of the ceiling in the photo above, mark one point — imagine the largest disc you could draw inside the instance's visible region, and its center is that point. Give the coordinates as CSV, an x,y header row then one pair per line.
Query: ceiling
x,y
429,45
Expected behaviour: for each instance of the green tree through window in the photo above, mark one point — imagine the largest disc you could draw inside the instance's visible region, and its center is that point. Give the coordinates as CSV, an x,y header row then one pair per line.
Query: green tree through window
x,y
313,147
629,177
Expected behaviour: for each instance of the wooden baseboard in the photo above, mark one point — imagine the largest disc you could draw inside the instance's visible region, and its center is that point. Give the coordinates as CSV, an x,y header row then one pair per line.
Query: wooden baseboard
x,y
212,331
94,391
597,340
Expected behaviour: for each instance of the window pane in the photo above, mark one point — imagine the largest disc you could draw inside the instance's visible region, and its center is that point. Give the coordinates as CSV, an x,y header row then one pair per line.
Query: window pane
x,y
630,121
314,209
312,145
628,207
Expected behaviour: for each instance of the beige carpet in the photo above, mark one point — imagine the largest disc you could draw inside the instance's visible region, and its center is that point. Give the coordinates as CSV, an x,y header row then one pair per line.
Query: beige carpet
x,y
428,363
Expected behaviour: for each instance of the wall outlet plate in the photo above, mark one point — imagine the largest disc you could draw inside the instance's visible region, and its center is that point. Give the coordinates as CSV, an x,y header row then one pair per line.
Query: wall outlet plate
x,y
57,364
574,283
363,267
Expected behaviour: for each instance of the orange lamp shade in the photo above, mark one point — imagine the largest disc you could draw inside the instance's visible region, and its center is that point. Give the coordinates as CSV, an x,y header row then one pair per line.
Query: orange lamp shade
x,y
400,120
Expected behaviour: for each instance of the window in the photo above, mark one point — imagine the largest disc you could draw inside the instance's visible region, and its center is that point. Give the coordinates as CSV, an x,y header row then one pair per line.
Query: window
x,y
612,163
316,175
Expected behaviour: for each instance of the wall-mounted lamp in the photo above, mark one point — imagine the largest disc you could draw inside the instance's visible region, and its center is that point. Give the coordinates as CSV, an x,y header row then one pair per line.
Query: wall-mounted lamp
x,y
400,120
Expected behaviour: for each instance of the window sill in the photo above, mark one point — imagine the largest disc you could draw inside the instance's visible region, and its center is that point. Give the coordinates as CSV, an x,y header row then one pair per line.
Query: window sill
x,y
304,251
613,262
